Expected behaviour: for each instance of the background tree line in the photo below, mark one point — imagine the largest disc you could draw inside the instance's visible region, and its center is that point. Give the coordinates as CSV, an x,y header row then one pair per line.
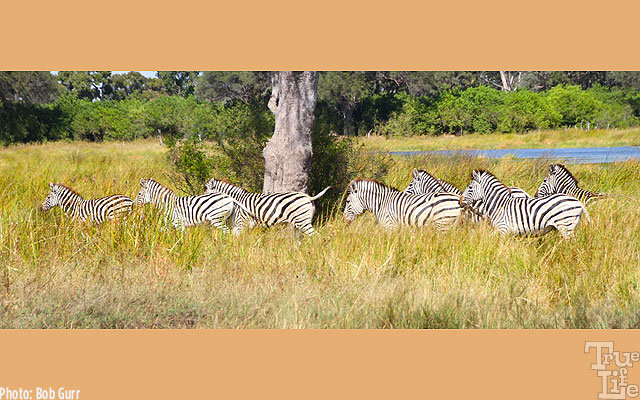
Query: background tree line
x,y
98,105
217,123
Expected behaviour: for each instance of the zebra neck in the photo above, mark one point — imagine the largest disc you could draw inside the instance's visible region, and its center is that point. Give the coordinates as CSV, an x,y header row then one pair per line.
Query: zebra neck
x,y
236,192
70,202
495,201
581,194
373,202
164,199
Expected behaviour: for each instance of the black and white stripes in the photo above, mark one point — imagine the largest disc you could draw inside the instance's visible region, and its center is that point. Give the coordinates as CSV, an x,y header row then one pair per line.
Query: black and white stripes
x,y
522,215
394,208
295,208
426,201
96,210
560,180
214,208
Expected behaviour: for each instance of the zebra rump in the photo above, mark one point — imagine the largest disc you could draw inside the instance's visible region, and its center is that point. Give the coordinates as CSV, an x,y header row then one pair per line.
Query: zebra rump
x,y
295,208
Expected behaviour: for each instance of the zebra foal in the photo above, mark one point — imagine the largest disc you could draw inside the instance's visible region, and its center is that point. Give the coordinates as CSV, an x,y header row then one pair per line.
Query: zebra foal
x,y
560,180
184,211
95,210
528,216
296,208
393,208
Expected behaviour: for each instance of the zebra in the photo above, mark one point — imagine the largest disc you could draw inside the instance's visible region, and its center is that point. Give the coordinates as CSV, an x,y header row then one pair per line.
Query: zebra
x,y
95,210
296,208
530,216
424,182
560,180
394,208
184,211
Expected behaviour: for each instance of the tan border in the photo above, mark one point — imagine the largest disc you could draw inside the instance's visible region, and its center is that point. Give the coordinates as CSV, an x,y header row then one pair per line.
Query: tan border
x,y
335,34
498,364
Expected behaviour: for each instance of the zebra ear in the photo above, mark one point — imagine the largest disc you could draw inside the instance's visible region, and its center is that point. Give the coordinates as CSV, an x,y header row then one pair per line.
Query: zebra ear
x,y
415,172
475,174
142,182
51,186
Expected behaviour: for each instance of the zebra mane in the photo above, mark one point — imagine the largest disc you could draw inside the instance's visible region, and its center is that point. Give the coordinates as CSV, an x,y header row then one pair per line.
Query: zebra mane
x,y
565,170
214,181
425,172
69,189
484,171
377,182
151,180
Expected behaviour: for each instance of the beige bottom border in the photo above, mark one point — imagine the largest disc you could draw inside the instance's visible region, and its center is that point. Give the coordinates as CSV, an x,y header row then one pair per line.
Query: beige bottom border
x,y
178,364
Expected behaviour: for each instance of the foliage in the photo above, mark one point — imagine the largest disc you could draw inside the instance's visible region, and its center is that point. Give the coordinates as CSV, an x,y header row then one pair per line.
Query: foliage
x,y
230,86
190,166
230,107
24,123
34,87
180,83
336,161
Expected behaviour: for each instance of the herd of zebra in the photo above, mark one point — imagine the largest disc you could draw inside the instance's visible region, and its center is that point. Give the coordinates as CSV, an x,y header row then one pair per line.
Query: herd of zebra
x,y
558,204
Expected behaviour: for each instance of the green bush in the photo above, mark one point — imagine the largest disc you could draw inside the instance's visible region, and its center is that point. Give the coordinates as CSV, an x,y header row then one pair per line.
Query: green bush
x,y
524,111
24,123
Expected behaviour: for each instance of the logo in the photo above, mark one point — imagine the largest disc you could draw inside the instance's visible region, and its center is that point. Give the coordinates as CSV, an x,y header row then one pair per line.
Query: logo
x,y
612,368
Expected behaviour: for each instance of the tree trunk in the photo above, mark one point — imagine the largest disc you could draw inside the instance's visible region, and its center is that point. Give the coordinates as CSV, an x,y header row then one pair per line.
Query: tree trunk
x,y
347,118
287,155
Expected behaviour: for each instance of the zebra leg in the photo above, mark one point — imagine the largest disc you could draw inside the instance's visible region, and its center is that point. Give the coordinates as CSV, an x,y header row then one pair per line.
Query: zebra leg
x,y
307,229
220,222
304,224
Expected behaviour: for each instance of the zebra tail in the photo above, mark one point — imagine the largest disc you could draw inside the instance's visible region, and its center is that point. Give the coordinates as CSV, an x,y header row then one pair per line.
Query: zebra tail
x,y
598,196
320,194
586,214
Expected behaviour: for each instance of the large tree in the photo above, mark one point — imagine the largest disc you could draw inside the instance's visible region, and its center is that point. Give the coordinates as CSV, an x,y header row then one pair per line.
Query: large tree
x,y
90,85
229,86
288,153
28,86
182,83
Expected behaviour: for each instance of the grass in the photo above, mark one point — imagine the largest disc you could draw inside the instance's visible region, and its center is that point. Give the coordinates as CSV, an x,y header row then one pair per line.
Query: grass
x,y
542,139
57,273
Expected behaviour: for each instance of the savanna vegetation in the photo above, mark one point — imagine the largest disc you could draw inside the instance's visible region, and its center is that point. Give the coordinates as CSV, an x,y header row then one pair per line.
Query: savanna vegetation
x,y
58,273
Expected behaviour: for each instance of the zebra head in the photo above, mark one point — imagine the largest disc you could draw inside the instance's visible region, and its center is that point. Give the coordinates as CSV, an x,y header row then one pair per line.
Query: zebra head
x,y
422,182
354,205
557,178
52,199
144,195
473,195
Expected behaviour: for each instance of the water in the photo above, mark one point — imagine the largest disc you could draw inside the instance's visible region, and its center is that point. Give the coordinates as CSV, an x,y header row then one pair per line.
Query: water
x,y
580,155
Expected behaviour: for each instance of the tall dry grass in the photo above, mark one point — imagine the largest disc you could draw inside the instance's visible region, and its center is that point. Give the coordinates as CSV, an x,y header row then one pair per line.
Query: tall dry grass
x,y
58,273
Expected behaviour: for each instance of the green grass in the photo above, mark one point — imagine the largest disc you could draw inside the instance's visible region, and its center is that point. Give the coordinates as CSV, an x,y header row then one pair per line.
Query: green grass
x,y
542,139
61,274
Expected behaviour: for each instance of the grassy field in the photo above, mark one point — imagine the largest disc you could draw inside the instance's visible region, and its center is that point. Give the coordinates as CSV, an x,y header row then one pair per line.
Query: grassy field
x,y
60,274
542,139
